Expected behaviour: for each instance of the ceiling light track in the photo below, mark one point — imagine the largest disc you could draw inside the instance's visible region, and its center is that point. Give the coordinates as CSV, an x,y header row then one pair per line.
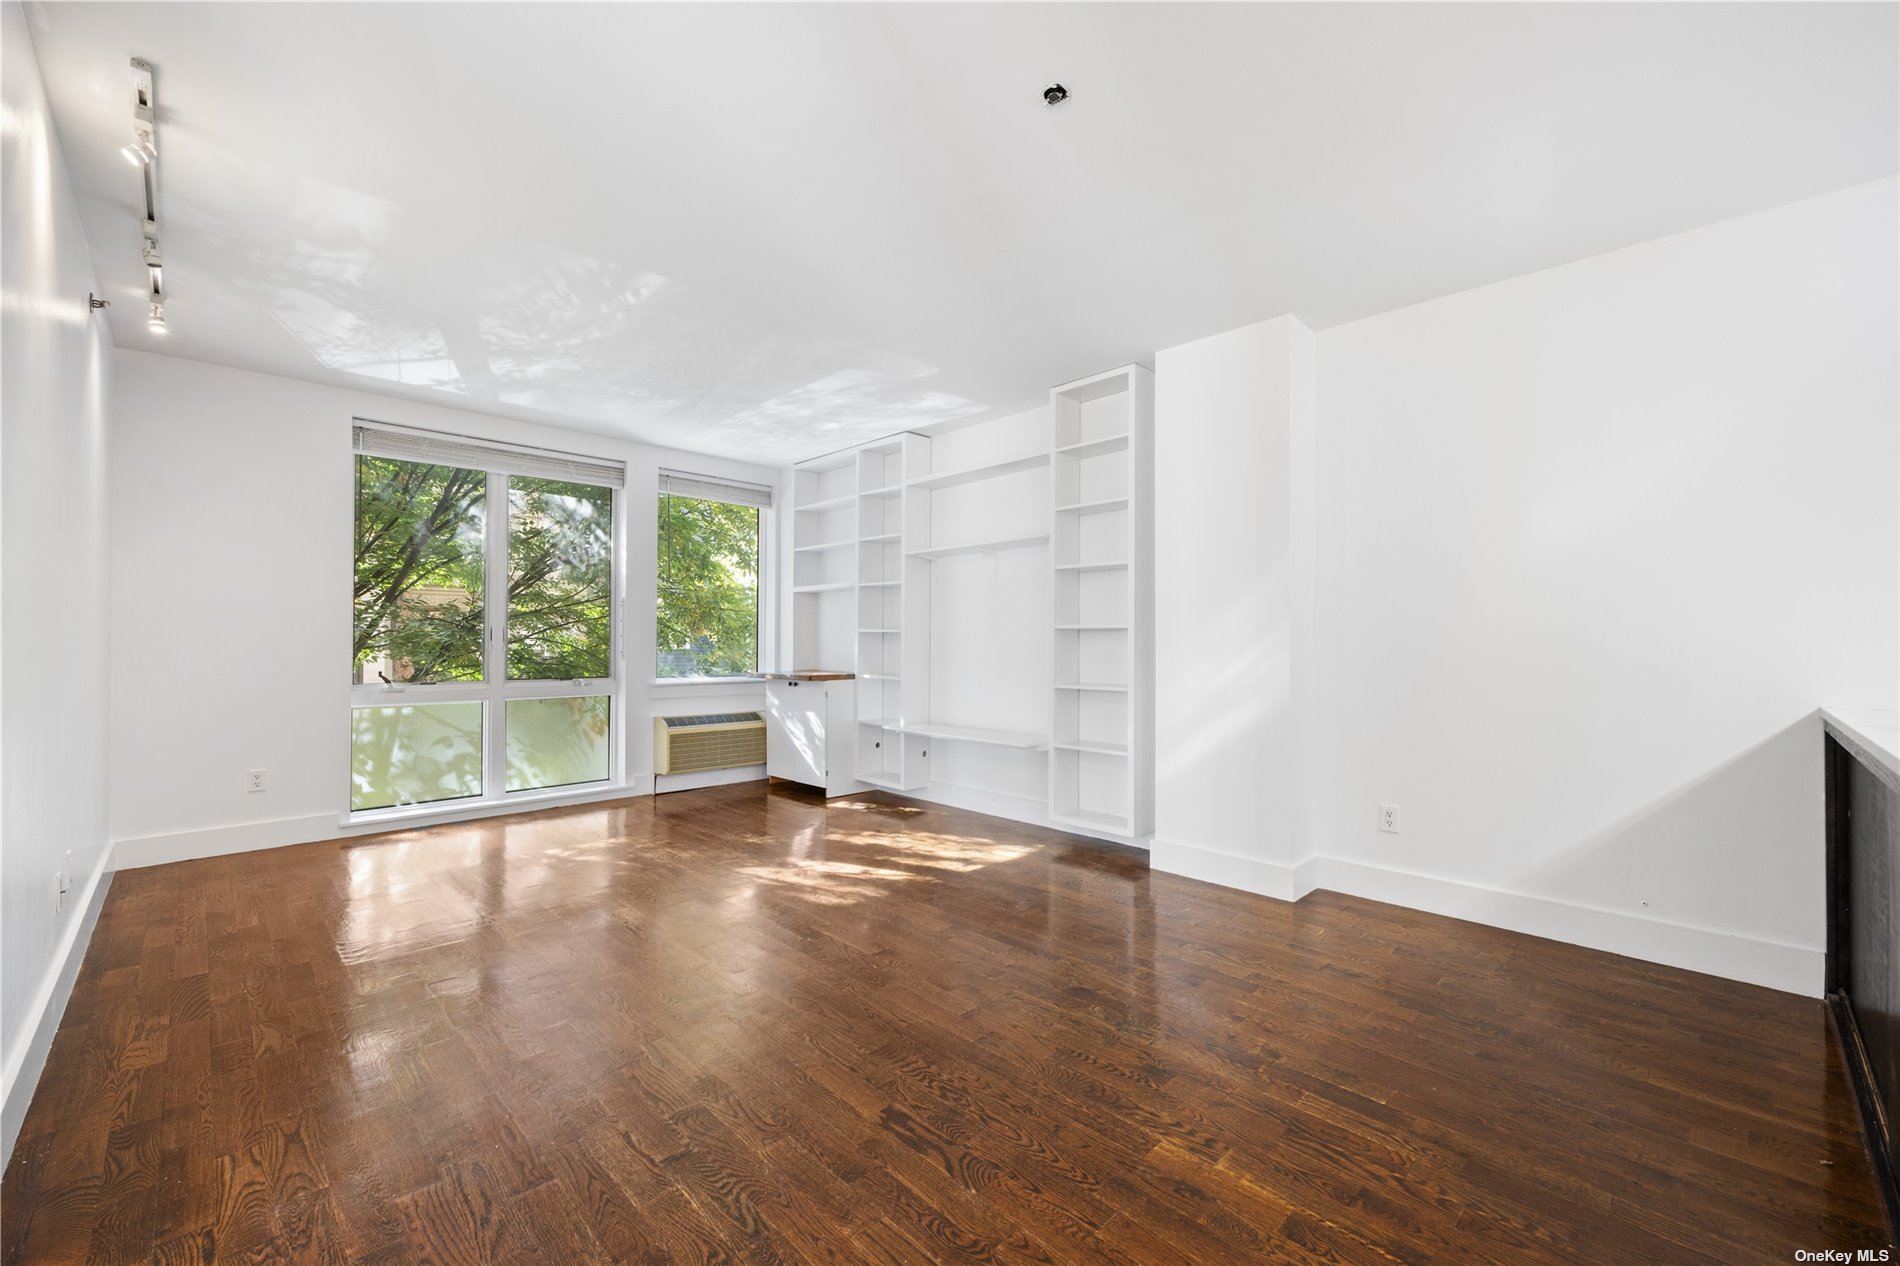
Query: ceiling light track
x,y
143,154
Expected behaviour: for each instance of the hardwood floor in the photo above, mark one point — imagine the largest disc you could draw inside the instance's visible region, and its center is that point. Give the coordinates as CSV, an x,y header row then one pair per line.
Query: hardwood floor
x,y
739,1026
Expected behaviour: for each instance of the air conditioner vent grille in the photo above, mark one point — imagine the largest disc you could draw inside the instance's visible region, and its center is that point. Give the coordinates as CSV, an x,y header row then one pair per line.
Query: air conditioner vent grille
x,y
696,744
717,718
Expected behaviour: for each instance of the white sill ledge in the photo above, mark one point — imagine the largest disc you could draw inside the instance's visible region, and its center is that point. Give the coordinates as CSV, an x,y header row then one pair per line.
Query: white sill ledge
x,y
702,683
467,810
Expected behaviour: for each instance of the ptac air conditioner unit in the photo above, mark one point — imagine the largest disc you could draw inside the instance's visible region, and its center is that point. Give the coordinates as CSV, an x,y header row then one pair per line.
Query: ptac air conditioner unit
x,y
693,745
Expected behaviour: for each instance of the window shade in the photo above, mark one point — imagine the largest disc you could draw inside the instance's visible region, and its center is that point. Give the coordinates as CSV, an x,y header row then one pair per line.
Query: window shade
x,y
443,449
705,488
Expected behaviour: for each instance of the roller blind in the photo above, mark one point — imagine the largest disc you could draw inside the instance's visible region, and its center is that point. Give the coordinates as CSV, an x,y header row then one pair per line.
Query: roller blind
x,y
706,488
376,439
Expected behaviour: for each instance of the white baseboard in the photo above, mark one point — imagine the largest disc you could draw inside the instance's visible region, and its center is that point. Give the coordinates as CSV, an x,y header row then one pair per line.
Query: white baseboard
x,y
221,841
1229,870
1753,960
246,837
24,1064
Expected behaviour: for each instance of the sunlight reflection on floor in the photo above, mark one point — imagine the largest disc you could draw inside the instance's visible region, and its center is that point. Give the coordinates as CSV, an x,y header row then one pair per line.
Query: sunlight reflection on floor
x,y
941,852
826,883
892,858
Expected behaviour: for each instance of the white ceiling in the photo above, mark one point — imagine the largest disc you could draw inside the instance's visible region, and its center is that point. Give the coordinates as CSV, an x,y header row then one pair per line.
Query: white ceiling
x,y
770,231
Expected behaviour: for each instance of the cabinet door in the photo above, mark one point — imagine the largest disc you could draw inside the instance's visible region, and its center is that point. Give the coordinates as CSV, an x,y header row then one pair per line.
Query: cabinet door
x,y
795,731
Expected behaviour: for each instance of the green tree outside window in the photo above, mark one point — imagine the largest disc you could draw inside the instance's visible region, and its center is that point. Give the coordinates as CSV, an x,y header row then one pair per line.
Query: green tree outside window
x,y
421,571
708,608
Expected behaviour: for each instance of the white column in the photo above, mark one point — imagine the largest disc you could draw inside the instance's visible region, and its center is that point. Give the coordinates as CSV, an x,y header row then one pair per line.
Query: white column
x,y
1234,593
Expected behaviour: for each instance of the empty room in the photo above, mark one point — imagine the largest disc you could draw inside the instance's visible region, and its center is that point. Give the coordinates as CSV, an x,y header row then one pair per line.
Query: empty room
x,y
781,634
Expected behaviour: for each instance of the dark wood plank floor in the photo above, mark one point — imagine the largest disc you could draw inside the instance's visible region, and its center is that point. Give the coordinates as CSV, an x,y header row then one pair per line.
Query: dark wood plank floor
x,y
740,1026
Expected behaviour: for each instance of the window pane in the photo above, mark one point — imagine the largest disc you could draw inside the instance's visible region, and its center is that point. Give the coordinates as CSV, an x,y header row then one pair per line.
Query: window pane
x,y
414,754
419,571
555,742
709,589
560,580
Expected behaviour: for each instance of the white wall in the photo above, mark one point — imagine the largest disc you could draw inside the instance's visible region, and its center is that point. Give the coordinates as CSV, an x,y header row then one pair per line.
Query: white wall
x,y
53,664
1593,546
1572,560
1233,611
231,531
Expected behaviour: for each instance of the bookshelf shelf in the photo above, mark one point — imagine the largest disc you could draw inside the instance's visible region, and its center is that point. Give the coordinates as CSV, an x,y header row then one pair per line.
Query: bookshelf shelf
x,y
979,547
974,734
1107,505
1092,821
950,479
1094,448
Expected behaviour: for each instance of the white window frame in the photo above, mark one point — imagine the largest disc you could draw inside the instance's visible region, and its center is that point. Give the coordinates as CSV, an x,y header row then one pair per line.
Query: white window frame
x,y
495,690
765,604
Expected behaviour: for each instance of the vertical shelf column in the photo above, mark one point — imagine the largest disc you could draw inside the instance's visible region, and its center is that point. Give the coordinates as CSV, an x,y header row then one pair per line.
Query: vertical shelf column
x,y
824,545
824,567
915,651
1101,768
878,609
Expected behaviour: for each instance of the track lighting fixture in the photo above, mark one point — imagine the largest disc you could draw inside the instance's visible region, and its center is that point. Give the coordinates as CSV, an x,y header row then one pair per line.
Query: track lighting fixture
x,y
143,154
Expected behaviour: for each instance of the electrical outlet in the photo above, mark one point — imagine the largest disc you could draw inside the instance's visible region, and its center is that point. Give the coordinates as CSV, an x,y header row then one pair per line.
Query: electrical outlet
x,y
256,782
1389,818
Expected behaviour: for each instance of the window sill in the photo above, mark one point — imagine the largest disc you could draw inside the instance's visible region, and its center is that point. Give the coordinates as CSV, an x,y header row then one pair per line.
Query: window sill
x,y
702,683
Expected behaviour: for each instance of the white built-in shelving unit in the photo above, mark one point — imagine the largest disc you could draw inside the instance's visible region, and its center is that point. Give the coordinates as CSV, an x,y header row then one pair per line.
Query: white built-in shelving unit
x,y
965,496
824,562
1101,766
878,616
922,563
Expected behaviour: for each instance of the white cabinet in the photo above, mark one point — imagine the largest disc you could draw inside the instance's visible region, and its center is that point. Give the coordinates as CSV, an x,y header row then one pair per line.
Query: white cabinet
x,y
808,732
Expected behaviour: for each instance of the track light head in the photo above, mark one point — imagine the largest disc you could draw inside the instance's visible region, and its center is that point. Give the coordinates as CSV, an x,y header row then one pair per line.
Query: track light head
x,y
156,321
143,148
